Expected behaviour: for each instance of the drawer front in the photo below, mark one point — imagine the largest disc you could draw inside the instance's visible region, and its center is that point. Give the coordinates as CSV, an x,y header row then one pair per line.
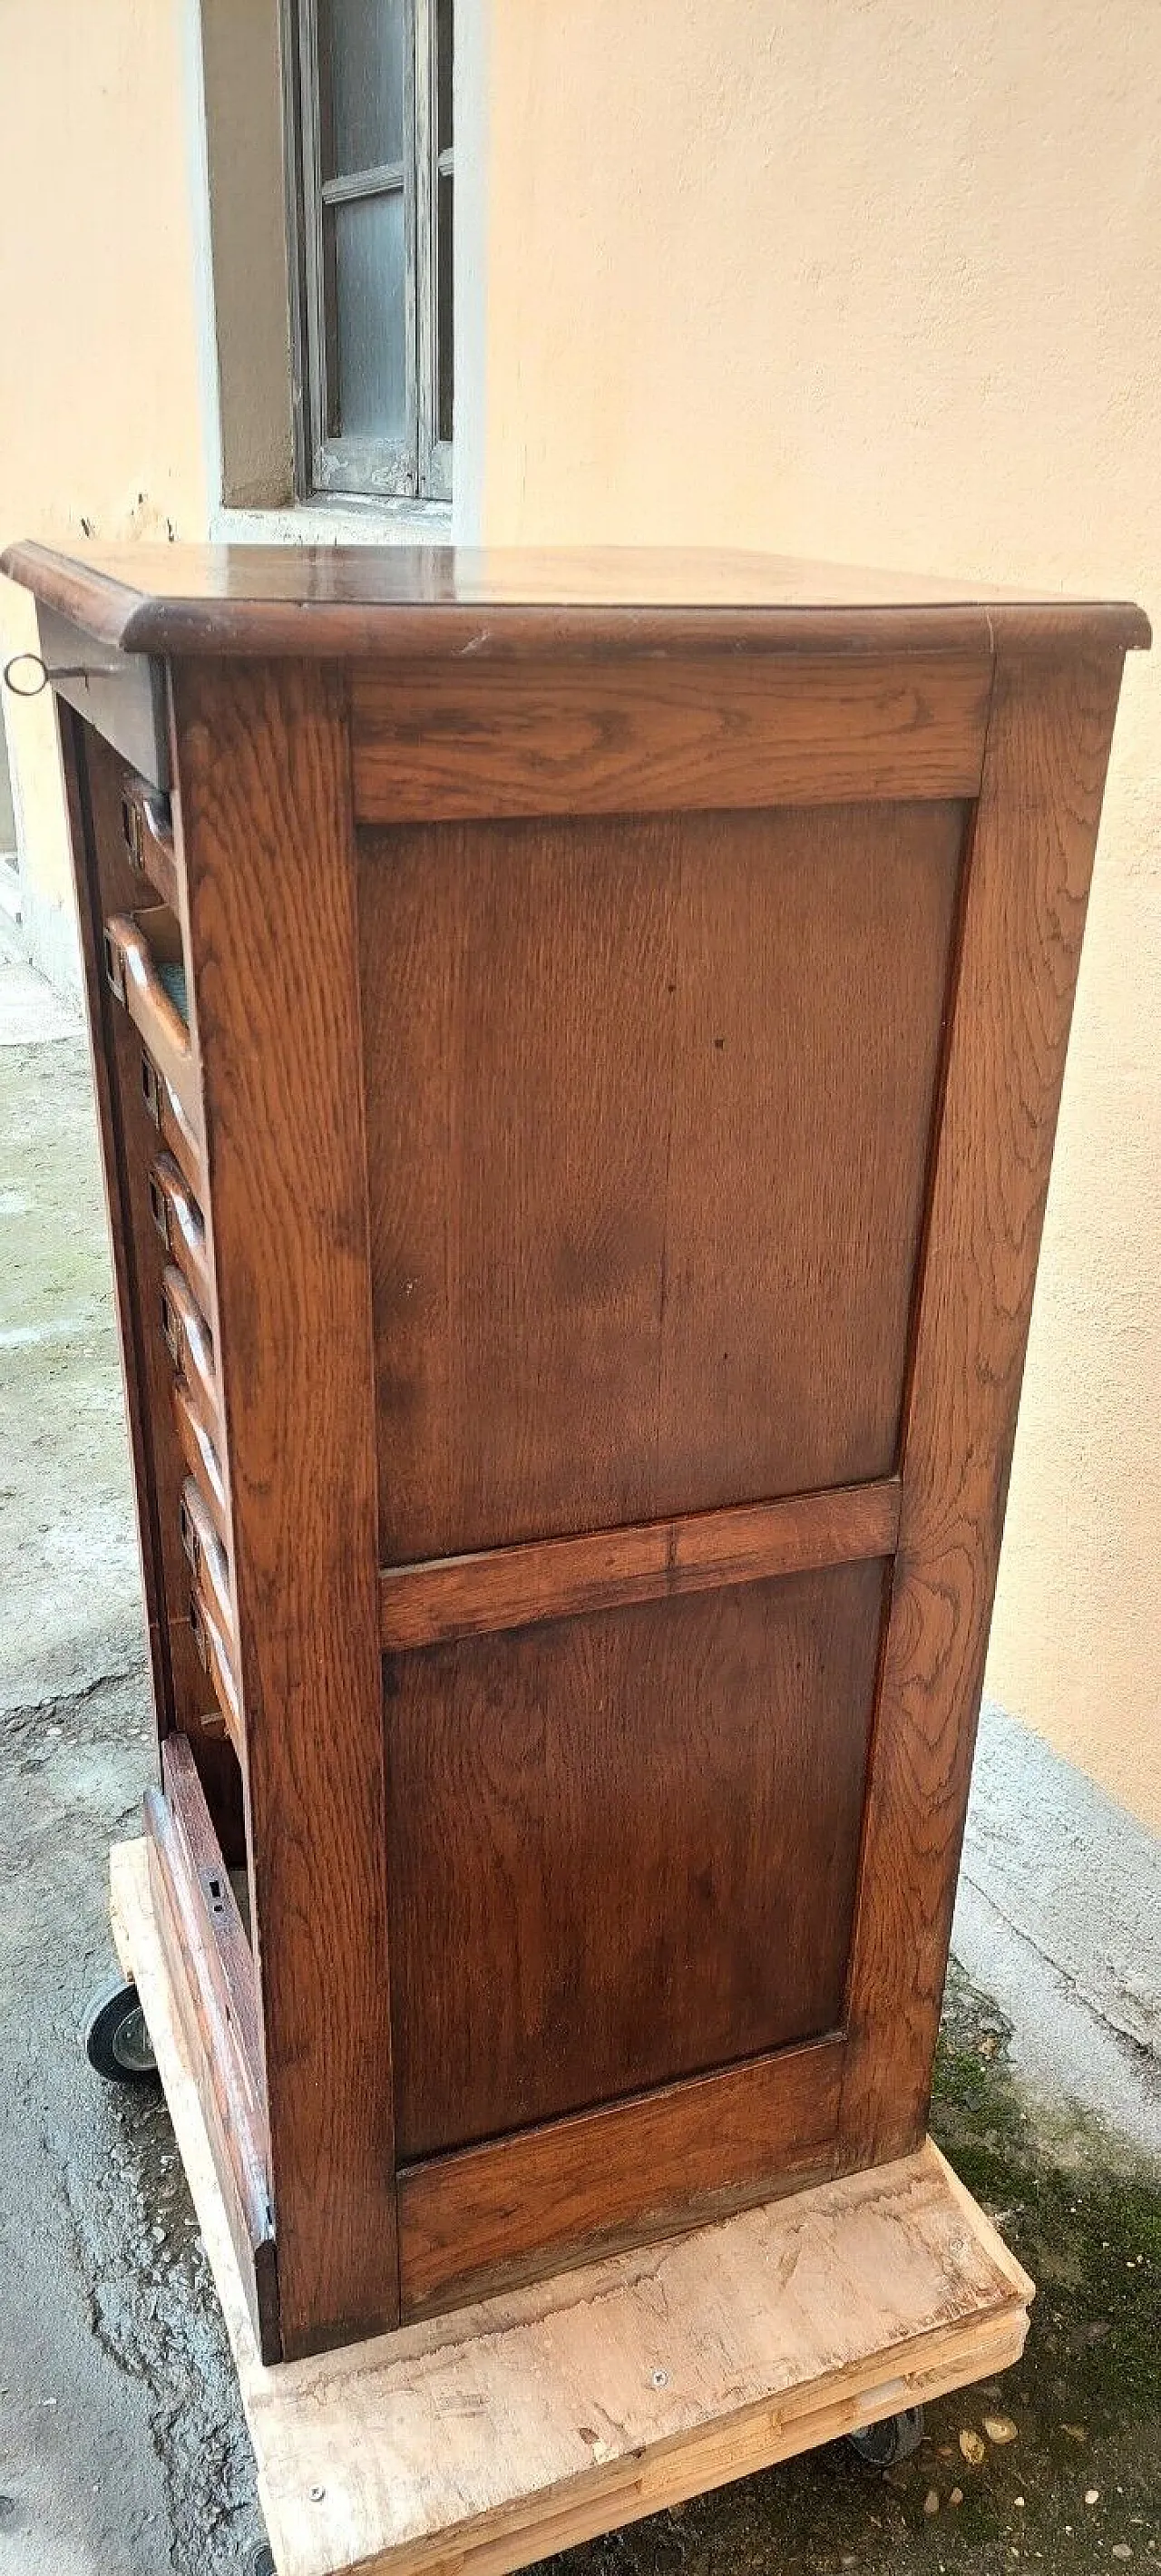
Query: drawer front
x,y
200,1458
213,1650
145,966
191,1347
207,1558
178,1219
171,1123
147,828
202,1512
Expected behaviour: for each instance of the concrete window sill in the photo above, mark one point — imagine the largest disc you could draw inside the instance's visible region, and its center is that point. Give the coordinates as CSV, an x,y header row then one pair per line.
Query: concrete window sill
x,y
331,523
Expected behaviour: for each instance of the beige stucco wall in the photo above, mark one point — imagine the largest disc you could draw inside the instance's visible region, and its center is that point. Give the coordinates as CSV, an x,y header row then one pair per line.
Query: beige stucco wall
x,y
882,282
101,325
847,277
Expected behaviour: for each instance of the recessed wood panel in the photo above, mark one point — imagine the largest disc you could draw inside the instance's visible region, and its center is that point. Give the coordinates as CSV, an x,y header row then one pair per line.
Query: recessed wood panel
x,y
622,1848
649,1108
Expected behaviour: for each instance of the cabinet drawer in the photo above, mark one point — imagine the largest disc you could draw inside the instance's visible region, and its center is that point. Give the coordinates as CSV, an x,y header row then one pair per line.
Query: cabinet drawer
x,y
207,1557
178,1220
201,1458
210,1640
145,965
172,1125
190,1343
147,829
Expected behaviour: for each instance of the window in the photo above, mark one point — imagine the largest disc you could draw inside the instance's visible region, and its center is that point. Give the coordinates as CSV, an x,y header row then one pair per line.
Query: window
x,y
373,131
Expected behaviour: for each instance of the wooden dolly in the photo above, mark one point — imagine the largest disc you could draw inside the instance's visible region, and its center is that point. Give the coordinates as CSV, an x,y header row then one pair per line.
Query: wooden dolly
x,y
487,2439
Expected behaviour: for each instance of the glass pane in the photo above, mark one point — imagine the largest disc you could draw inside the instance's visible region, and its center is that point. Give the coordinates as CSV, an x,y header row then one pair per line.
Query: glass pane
x,y
443,74
361,67
367,265
444,309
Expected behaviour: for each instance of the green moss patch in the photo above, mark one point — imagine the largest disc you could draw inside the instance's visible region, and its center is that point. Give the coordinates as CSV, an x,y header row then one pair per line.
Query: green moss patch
x,y
1079,2484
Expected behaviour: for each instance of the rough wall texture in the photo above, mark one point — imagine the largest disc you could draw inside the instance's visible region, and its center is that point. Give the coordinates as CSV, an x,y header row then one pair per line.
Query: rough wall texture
x,y
99,324
881,283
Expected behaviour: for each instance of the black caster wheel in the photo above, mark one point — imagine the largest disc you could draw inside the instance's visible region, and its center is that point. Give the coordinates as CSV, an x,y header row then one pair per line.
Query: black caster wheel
x,y
880,2445
117,2043
262,2562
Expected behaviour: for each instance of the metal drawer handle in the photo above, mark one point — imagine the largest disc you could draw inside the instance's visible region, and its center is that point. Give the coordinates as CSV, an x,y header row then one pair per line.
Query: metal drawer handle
x,y
85,671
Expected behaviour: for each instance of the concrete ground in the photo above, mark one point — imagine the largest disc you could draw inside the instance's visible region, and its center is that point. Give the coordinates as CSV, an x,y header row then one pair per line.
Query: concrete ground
x,y
122,2451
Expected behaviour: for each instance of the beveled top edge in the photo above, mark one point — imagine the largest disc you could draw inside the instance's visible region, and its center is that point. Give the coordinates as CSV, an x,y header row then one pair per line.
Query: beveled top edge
x,y
437,600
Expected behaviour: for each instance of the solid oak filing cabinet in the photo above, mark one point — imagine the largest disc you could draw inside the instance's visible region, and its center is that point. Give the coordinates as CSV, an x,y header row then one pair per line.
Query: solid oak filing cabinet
x,y
578,1043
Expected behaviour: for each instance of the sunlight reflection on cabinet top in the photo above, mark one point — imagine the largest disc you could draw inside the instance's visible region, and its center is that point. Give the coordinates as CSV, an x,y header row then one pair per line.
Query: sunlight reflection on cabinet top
x,y
431,601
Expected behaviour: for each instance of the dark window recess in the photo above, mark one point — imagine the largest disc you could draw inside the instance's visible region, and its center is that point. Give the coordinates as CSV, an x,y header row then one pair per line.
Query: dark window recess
x,y
371,105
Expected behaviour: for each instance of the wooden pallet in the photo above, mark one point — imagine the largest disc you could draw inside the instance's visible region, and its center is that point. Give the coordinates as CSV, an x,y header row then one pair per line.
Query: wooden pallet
x,y
488,2439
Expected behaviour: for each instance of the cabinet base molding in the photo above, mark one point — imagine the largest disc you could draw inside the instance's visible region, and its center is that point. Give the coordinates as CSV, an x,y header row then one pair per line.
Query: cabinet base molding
x,y
518,2427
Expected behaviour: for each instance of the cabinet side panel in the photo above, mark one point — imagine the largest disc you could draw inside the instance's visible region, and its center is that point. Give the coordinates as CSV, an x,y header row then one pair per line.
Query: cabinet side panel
x,y
1026,892
623,1847
649,1108
265,813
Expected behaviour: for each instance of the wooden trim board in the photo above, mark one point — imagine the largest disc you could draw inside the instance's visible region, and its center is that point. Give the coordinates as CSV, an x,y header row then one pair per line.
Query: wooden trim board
x,y
684,2153
272,947
579,738
557,1578
496,2436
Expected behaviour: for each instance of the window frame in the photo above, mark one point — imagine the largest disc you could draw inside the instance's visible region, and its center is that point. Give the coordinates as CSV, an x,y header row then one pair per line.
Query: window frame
x,y
417,468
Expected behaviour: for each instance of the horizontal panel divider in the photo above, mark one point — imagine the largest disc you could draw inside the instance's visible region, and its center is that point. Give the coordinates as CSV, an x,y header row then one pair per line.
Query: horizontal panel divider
x,y
429,745
559,1578
479,2219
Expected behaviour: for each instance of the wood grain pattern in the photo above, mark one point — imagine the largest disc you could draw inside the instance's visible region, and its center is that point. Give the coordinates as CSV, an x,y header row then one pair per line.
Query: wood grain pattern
x,y
201,1458
206,1553
513,1587
228,1954
148,832
106,883
1026,895
135,945
622,1268
203,1942
173,1127
269,866
189,1342
584,738
212,1646
619,1204
413,602
178,1219
532,2421
482,2220
623,1847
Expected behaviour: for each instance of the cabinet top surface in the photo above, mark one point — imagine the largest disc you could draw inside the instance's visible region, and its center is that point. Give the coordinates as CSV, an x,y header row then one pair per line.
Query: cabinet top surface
x,y
435,600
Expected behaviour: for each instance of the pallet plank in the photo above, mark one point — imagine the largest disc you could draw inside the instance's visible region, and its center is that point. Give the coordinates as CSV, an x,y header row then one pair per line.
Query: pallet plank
x,y
535,2420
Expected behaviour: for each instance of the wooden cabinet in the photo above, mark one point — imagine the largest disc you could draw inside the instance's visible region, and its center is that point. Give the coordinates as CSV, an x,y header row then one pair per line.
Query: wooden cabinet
x,y
578,1043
